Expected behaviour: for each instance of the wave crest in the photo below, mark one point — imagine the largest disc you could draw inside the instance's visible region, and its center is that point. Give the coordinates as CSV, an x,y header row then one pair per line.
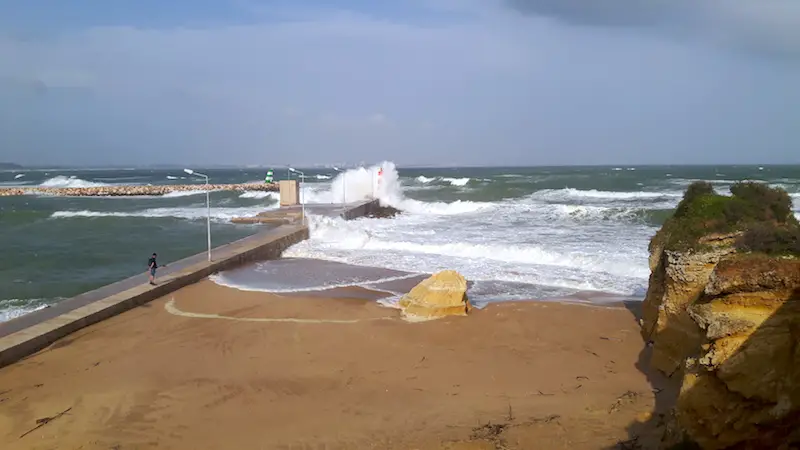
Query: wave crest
x,y
62,181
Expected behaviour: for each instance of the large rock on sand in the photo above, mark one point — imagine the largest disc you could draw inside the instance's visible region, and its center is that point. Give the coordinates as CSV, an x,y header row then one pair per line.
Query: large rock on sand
x,y
443,294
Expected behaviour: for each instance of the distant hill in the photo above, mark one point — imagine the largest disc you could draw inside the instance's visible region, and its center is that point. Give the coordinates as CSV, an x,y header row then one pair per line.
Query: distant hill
x,y
9,166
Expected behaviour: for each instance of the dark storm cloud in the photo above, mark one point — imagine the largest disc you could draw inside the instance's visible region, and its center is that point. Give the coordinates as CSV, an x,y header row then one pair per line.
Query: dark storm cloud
x,y
601,12
770,28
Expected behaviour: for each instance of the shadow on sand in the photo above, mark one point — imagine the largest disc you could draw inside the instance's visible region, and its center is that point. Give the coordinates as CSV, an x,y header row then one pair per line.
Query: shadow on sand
x,y
780,333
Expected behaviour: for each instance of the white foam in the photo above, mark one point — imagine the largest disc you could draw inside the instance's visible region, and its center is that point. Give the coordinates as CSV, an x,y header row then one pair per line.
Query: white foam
x,y
456,181
556,237
315,193
322,177
260,194
487,247
18,176
222,280
570,193
190,213
451,181
62,181
582,213
9,313
528,254
174,194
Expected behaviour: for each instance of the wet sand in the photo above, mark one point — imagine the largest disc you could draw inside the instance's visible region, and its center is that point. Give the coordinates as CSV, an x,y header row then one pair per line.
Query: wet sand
x,y
211,367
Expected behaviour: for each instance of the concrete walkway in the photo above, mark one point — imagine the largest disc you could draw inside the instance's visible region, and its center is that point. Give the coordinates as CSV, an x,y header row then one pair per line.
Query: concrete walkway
x,y
86,298
27,334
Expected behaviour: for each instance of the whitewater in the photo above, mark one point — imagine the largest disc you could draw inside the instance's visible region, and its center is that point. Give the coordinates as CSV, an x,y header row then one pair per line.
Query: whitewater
x,y
547,243
514,248
516,232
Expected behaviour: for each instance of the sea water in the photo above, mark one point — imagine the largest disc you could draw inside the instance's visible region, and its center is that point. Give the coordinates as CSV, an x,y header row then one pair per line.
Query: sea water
x,y
516,233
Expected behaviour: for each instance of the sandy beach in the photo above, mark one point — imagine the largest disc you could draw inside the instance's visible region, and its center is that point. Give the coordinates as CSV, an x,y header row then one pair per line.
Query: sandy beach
x,y
210,367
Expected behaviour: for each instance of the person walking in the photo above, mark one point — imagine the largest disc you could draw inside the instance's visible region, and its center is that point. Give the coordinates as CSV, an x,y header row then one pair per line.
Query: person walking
x,y
152,265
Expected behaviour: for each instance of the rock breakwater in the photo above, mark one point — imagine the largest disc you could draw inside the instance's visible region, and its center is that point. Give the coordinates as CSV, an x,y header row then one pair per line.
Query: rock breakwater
x,y
133,190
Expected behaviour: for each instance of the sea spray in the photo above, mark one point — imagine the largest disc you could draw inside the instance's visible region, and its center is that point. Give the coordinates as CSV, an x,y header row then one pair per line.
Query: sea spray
x,y
382,182
62,181
527,233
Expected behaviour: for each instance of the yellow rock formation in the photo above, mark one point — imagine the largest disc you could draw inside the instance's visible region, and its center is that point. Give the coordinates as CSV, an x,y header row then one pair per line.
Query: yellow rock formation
x,y
442,294
728,325
722,313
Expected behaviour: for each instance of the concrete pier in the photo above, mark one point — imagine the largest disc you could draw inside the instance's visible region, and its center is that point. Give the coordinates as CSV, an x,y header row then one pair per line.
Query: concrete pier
x,y
30,333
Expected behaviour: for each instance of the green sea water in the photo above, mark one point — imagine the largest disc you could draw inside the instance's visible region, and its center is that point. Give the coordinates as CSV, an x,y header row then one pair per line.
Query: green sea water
x,y
57,247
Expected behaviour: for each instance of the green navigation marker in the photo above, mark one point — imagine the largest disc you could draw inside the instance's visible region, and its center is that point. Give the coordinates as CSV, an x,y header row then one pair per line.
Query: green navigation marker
x,y
268,178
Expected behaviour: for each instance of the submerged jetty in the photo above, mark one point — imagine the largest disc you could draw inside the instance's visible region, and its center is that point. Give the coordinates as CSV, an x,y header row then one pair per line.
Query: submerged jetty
x,y
133,190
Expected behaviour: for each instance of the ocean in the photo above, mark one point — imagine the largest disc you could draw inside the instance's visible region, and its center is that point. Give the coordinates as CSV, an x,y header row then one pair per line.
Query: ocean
x,y
515,233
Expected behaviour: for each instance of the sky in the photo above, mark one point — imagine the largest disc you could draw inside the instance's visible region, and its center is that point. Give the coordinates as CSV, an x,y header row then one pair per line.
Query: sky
x,y
423,82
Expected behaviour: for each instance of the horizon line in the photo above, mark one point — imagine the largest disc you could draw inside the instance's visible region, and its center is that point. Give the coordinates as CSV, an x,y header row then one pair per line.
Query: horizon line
x,y
17,166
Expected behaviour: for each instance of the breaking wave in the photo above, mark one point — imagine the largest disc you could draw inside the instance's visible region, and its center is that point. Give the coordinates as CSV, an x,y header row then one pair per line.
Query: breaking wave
x,y
175,194
446,180
259,194
593,194
190,213
62,181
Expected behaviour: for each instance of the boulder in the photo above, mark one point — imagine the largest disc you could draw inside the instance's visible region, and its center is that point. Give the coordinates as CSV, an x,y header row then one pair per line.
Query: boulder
x,y
442,294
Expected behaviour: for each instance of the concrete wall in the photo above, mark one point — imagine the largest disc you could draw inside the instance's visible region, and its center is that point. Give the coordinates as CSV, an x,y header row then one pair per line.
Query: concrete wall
x,y
289,192
362,210
266,245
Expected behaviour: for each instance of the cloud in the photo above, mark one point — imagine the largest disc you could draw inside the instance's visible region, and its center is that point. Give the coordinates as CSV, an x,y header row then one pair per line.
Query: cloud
x,y
769,27
603,12
332,122
472,83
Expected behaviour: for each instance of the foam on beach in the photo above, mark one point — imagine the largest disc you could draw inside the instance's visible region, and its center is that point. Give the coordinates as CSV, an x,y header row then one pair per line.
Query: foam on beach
x,y
13,308
481,239
293,275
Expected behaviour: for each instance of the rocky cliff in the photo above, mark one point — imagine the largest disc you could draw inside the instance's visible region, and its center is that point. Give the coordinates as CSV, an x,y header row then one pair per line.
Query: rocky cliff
x,y
722,314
